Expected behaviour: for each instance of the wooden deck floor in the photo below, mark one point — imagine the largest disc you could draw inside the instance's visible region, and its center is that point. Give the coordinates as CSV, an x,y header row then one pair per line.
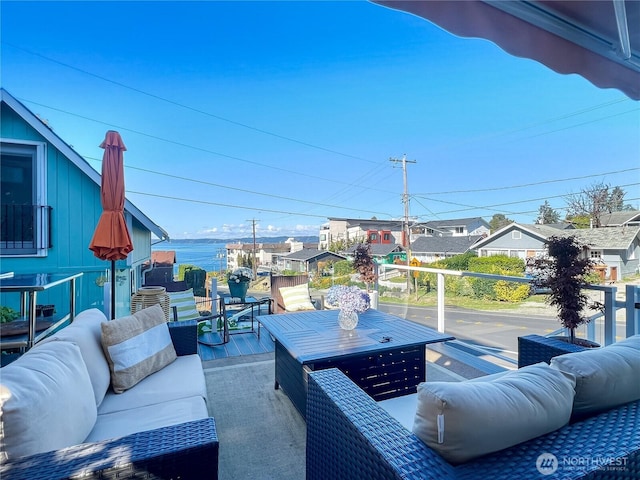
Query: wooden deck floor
x,y
241,342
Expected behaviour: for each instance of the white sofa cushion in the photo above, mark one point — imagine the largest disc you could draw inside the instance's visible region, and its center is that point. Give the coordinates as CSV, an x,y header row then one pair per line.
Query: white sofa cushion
x,y
46,400
180,379
86,332
296,298
119,424
137,346
465,420
605,377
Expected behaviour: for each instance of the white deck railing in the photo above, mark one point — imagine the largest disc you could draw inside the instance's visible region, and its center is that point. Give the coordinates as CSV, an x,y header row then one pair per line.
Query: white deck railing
x,y
631,305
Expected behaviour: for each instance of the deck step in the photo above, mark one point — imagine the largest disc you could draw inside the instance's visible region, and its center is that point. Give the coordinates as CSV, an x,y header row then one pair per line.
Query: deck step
x,y
465,360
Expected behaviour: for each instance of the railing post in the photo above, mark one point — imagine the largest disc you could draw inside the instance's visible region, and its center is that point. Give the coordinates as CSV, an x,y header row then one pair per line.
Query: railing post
x,y
441,302
610,315
633,310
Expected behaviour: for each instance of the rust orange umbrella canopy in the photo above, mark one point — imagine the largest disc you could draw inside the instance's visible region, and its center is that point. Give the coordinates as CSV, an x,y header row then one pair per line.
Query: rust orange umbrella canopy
x,y
111,239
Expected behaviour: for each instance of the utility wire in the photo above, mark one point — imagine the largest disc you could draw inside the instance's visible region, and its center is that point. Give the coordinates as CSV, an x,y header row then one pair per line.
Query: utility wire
x,y
187,107
201,149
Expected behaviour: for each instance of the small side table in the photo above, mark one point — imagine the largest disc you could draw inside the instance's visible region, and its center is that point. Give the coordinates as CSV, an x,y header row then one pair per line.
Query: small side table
x,y
251,306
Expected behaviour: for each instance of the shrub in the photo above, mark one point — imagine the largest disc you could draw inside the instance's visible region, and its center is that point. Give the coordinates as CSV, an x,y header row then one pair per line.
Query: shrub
x,y
342,267
511,291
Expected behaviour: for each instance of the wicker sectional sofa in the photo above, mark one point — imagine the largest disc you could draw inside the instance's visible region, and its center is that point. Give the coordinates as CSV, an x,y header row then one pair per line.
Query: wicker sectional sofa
x,y
158,428
350,436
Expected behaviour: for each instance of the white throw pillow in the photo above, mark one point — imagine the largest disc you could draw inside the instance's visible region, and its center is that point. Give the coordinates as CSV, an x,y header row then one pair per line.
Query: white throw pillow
x,y
185,304
296,298
46,401
86,332
137,346
465,420
605,377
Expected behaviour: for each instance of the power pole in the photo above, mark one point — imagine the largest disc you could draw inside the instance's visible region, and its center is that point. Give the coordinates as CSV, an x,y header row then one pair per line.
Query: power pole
x,y
254,264
405,201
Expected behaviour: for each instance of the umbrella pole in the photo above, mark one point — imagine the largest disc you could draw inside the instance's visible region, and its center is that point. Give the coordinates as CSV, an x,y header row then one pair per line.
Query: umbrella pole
x,y
113,289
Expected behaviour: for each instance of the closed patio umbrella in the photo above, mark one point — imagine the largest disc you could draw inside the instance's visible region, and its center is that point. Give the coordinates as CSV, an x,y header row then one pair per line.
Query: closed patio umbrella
x,y
111,240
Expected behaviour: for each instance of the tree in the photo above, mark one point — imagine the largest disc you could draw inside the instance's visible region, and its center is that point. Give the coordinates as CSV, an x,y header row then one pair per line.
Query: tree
x,y
564,274
547,215
363,264
498,221
594,201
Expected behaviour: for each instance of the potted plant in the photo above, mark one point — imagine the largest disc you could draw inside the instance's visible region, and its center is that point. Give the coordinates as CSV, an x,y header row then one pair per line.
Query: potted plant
x,y
563,273
45,310
238,281
8,314
365,266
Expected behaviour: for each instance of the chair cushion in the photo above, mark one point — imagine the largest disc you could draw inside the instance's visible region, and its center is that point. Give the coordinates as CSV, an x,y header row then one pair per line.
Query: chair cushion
x,y
186,372
296,298
605,377
46,401
465,420
137,346
86,332
185,304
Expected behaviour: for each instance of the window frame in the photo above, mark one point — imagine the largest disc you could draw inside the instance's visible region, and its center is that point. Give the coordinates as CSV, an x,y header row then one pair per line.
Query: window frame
x,y
38,153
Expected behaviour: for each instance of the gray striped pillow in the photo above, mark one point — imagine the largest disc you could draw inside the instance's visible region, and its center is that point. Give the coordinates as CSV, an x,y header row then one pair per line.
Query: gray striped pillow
x,y
137,346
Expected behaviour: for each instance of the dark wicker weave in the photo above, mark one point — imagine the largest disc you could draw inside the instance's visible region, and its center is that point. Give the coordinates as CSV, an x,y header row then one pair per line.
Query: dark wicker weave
x,y
184,335
350,437
535,348
185,451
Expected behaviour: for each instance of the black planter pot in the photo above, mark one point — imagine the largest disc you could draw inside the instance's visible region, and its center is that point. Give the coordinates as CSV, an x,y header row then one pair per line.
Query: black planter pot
x,y
536,348
45,310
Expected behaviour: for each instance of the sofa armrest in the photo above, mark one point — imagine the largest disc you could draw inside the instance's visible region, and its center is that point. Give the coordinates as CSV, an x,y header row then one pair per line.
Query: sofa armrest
x,y
350,436
185,451
184,335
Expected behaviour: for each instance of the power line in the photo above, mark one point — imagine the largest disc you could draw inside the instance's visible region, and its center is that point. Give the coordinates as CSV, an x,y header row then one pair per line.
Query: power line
x,y
544,182
187,107
201,149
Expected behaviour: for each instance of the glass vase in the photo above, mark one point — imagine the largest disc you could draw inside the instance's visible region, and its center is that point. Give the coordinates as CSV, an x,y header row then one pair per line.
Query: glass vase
x,y
347,319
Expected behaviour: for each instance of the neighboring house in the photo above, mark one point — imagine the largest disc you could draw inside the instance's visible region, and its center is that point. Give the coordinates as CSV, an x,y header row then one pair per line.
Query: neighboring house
x,y
352,230
307,260
390,232
267,254
629,218
160,269
382,253
50,207
616,248
461,227
431,249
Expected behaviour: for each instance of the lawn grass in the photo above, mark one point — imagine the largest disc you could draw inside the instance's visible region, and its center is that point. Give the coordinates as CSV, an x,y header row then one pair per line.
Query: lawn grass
x,y
430,299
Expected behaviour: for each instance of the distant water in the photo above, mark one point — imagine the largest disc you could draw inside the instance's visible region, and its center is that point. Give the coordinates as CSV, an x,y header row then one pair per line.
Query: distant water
x,y
211,257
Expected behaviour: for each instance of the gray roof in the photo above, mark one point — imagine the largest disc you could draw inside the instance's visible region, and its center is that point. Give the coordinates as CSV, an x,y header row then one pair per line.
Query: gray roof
x,y
617,219
610,238
380,249
307,254
444,244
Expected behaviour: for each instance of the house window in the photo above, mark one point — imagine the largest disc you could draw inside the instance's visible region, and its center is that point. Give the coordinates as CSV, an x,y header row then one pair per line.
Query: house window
x,y
595,254
516,235
459,229
24,228
387,237
373,237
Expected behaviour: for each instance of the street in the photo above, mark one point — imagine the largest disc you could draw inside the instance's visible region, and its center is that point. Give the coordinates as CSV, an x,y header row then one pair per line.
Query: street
x,y
498,331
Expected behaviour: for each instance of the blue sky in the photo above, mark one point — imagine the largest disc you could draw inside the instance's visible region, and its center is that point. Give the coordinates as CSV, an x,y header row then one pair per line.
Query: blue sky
x,y
287,113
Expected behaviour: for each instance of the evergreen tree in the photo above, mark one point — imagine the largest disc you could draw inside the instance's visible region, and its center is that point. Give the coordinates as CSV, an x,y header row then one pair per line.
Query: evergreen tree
x,y
547,215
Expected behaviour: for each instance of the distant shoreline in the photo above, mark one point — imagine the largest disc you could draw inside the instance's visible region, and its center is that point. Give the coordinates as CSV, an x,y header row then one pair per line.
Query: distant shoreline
x,y
281,239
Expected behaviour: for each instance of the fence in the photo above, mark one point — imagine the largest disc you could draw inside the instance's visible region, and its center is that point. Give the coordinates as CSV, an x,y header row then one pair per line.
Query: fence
x,y
631,305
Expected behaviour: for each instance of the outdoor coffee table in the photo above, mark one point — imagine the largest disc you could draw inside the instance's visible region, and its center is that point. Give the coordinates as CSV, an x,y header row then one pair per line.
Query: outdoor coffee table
x,y
384,355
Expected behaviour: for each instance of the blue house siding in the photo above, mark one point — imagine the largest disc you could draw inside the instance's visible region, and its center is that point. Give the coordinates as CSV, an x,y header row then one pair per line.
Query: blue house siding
x,y
73,193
